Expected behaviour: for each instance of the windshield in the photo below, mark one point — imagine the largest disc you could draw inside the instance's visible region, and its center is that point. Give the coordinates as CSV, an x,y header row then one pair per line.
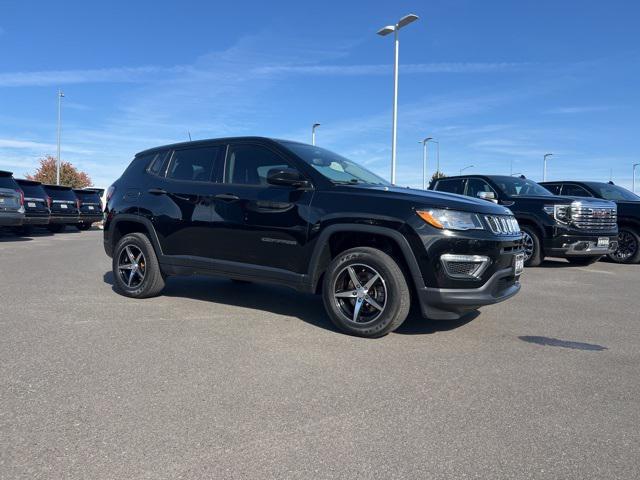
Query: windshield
x,y
333,166
614,192
515,187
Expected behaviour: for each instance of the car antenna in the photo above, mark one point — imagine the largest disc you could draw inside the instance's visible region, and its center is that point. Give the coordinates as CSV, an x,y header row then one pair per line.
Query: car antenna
x,y
610,182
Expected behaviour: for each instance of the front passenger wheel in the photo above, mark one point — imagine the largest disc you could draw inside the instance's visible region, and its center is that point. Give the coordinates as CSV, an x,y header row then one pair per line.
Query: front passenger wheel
x,y
533,256
365,293
628,246
136,271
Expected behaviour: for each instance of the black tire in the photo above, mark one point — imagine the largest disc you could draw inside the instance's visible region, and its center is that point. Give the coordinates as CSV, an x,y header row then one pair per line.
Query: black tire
x,y
628,246
583,261
389,292
24,230
83,226
240,282
534,255
56,227
148,280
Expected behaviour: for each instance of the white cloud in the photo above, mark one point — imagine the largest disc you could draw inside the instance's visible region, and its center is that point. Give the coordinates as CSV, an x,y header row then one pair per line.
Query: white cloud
x,y
581,109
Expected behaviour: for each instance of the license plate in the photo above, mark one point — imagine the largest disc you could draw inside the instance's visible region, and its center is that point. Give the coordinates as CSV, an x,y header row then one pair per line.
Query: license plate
x,y
31,204
603,242
62,205
91,208
519,264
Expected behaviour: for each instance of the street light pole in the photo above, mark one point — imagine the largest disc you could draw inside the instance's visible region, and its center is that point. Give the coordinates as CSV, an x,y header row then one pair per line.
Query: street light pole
x,y
313,133
406,20
425,161
635,165
437,155
544,166
60,95
463,169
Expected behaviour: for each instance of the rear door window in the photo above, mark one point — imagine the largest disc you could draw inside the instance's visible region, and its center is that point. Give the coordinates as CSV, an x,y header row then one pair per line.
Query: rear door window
x,y
454,185
573,190
196,164
554,188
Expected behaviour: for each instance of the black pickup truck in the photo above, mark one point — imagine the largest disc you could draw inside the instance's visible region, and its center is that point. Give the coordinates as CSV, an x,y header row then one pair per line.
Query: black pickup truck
x,y
276,211
579,229
628,212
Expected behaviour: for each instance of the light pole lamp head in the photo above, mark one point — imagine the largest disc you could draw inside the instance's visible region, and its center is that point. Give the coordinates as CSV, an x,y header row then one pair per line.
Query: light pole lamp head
x,y
315,125
406,20
386,30
548,155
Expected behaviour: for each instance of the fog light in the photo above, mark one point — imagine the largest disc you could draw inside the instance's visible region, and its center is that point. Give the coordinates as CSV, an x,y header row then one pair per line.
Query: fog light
x,y
464,266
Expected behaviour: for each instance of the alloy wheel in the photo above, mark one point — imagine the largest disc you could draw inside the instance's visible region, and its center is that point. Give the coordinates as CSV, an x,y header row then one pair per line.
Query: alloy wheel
x,y
528,245
132,266
360,293
627,246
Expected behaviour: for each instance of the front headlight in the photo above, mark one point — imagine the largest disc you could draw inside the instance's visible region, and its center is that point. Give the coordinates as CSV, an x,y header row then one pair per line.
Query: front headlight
x,y
560,213
450,219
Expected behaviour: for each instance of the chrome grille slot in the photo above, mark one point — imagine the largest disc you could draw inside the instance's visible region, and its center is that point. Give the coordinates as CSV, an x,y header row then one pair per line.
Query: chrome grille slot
x,y
502,224
599,217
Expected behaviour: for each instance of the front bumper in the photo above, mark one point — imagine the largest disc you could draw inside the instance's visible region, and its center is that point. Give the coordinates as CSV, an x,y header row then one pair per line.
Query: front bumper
x,y
579,245
453,303
66,219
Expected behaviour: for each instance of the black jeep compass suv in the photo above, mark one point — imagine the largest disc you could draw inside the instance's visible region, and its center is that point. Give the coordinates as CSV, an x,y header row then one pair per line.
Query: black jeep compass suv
x,y
293,214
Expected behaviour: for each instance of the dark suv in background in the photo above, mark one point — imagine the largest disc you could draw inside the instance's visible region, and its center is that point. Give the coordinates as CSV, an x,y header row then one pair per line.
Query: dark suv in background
x,y
64,207
258,209
628,203
90,207
36,205
11,201
579,229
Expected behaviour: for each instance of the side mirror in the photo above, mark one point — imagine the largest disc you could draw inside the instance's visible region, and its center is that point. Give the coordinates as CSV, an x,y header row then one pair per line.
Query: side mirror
x,y
287,177
489,196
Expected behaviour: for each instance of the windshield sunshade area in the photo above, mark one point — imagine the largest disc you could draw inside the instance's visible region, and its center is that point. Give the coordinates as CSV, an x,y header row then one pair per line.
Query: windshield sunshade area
x,y
516,187
333,166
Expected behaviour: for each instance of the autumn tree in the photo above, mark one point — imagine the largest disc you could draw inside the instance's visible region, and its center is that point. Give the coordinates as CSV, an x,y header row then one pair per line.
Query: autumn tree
x,y
69,175
437,175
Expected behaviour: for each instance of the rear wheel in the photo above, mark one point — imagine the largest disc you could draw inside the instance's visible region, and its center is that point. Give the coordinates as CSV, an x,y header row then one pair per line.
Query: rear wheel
x,y
583,261
628,247
532,246
365,293
136,270
56,227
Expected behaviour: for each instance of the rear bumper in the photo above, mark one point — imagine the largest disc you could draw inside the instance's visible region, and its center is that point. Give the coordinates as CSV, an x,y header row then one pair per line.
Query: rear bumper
x,y
36,220
67,219
453,303
12,219
580,245
90,218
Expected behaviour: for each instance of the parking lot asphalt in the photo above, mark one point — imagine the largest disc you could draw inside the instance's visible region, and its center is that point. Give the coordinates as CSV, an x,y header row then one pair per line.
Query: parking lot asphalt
x,y
222,380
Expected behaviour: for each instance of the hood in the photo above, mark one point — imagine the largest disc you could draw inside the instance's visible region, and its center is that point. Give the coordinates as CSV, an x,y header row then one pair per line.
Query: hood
x,y
429,198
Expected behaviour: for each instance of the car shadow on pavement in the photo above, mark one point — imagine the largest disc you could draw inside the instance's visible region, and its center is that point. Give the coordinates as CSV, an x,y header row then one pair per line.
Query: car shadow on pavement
x,y
282,301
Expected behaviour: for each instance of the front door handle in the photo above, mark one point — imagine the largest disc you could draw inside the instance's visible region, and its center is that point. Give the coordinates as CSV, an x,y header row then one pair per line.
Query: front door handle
x,y
227,197
157,191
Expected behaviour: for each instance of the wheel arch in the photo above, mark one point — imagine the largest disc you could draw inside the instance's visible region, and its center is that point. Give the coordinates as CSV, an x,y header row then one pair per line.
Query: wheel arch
x,y
336,238
124,224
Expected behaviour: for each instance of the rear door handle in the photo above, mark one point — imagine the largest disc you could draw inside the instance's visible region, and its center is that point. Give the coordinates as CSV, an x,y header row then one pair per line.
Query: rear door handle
x,y
227,197
157,191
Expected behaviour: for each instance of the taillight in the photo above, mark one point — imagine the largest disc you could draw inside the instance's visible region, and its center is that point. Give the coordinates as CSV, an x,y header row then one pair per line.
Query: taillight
x,y
78,203
49,201
110,191
21,197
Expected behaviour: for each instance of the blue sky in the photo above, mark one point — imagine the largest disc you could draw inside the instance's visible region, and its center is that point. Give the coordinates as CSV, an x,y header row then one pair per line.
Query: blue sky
x,y
494,81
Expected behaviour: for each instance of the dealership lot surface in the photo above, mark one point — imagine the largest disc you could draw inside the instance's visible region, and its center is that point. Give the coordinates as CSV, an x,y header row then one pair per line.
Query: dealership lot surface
x,y
218,380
